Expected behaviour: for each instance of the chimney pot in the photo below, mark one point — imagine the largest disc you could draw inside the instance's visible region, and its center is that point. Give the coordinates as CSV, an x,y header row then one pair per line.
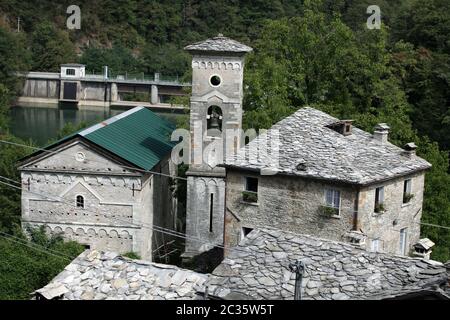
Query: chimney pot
x,y
410,149
381,132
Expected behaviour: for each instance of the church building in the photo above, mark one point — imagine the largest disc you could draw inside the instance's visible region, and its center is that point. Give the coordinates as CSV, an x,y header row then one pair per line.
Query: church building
x,y
105,186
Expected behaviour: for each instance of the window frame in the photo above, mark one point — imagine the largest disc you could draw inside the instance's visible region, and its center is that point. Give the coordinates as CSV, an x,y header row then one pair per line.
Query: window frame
x,y
379,196
82,204
403,241
247,189
71,72
407,184
333,192
377,242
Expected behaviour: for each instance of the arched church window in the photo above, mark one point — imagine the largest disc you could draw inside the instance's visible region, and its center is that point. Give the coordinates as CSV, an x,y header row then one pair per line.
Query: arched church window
x,y
214,118
80,202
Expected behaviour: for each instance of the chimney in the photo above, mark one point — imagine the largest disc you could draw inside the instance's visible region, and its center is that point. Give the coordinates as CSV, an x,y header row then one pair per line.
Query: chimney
x,y
343,127
410,149
381,132
422,248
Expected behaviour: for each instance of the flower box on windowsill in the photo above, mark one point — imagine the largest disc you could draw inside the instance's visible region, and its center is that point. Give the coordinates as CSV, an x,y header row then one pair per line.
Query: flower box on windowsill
x,y
379,208
407,197
329,212
249,197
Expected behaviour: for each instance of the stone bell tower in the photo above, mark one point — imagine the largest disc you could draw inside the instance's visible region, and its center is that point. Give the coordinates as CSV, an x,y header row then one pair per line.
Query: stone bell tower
x,y
215,126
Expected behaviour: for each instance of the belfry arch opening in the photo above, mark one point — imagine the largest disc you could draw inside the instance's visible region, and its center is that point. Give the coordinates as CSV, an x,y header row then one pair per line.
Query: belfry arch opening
x,y
214,119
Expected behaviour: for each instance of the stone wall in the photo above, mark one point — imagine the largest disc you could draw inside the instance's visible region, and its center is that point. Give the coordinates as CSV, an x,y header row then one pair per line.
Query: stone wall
x,y
386,226
205,178
287,203
201,238
119,204
293,204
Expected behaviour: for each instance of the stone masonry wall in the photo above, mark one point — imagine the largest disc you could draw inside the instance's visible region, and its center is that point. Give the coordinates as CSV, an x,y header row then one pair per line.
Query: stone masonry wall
x,y
112,213
386,226
287,203
292,204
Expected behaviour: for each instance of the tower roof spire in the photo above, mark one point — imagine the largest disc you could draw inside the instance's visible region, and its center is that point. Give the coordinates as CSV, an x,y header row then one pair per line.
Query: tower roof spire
x,y
221,44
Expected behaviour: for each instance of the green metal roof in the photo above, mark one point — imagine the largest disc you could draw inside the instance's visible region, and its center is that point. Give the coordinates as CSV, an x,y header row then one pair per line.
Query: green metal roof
x,y
138,136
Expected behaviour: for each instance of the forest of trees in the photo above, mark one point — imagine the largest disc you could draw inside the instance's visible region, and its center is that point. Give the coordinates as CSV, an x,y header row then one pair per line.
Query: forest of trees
x,y
317,53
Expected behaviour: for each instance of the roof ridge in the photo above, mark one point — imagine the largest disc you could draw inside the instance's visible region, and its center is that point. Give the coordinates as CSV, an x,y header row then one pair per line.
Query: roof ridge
x,y
109,121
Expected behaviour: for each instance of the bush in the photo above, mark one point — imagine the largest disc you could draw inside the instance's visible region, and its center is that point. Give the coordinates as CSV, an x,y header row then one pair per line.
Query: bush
x,y
27,267
329,211
249,196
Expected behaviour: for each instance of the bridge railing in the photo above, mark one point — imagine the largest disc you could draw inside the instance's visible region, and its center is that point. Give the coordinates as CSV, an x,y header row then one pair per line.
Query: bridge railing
x,y
140,77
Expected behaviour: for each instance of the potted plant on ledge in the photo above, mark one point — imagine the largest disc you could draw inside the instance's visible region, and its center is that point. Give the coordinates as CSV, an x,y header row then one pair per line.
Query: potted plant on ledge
x,y
379,208
329,211
250,197
407,197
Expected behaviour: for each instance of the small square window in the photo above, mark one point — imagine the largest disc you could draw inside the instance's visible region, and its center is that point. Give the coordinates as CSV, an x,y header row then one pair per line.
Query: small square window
x,y
70,72
250,193
246,231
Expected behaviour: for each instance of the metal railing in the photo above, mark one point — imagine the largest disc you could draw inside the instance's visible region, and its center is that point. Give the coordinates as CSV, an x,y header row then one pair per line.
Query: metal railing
x,y
135,77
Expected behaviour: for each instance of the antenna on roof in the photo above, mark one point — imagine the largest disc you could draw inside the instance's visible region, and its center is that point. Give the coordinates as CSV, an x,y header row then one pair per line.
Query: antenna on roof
x,y
299,268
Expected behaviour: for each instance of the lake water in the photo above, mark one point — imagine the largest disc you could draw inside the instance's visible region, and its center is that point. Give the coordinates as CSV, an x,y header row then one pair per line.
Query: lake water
x,y
43,123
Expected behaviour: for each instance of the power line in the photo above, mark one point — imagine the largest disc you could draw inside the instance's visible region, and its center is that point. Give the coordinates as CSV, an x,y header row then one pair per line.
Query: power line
x,y
94,161
141,224
37,245
45,250
171,176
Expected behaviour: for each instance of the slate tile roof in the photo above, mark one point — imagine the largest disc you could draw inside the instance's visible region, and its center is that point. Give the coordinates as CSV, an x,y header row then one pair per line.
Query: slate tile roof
x,y
259,269
95,275
308,148
219,44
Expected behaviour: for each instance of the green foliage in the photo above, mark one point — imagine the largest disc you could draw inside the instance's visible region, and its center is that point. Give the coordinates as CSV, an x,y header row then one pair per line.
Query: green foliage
x,y
27,267
249,196
379,208
436,205
132,255
13,58
70,128
329,211
118,59
51,47
10,197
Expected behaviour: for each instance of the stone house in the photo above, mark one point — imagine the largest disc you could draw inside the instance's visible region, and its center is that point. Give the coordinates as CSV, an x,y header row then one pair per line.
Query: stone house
x,y
98,187
314,174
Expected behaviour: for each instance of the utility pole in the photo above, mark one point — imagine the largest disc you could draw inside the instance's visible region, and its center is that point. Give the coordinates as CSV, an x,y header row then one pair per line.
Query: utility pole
x,y
299,268
18,24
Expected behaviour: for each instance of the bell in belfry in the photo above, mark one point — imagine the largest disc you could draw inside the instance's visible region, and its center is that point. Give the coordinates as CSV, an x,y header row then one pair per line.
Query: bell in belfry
x,y
215,117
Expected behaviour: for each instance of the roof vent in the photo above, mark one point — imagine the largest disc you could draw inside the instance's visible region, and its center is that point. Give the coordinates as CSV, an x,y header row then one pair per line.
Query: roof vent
x,y
381,132
422,248
410,149
301,166
343,127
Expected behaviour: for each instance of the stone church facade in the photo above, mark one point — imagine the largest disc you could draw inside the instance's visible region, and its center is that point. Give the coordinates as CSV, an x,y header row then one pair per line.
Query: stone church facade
x,y
89,190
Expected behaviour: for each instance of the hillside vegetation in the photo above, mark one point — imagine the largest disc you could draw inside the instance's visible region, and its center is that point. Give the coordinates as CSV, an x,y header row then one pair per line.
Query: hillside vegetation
x,y
317,53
